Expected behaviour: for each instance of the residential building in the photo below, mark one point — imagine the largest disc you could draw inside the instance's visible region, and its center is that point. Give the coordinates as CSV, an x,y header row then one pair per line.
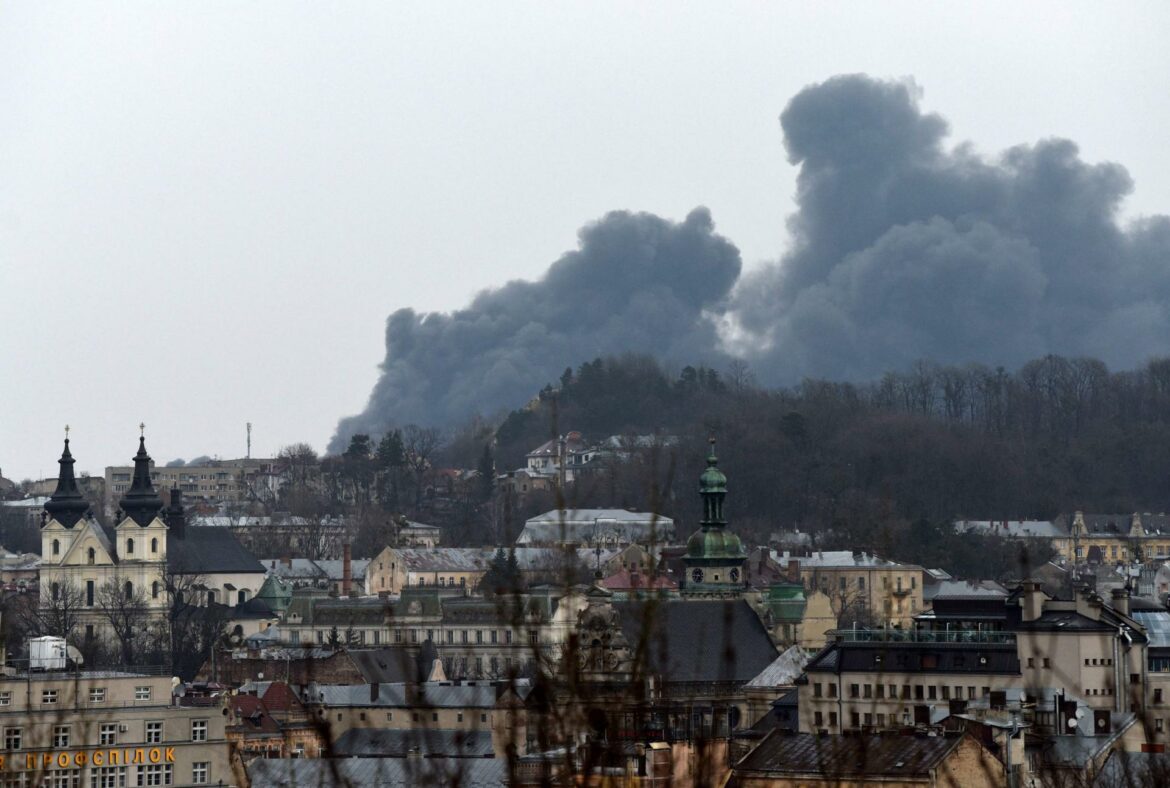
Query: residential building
x,y
218,481
796,616
865,586
977,647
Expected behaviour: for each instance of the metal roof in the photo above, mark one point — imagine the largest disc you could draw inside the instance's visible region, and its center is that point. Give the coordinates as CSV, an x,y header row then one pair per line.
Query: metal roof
x,y
783,671
844,756
428,742
377,772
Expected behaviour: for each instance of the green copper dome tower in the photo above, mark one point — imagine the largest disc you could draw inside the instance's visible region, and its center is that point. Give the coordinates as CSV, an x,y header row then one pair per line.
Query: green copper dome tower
x,y
715,556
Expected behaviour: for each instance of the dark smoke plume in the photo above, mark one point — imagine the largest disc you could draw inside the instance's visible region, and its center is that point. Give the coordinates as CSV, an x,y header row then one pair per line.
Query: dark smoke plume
x,y
902,249
637,283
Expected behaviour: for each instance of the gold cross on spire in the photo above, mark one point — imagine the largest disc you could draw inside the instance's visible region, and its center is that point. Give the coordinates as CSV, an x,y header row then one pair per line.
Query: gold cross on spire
x,y
66,432
141,430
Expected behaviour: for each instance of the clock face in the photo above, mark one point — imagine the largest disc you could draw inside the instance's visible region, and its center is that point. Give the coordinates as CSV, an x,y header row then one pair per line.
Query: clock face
x,y
735,575
697,575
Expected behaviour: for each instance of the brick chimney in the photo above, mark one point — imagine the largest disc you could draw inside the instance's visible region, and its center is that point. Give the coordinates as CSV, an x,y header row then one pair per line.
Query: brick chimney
x,y
346,569
1121,600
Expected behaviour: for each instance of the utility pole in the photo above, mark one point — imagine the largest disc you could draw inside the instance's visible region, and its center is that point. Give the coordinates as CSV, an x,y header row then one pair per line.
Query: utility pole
x,y
249,454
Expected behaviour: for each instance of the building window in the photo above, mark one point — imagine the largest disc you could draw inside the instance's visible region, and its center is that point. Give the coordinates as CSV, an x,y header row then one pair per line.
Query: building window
x,y
130,546
434,716
459,717
5,698
198,730
89,593
483,717
156,774
13,737
91,556
199,772
154,590
818,720
55,591
861,584
60,736
241,596
129,590
142,693
817,690
108,777
154,732
154,545
108,734
49,697
56,547
1157,696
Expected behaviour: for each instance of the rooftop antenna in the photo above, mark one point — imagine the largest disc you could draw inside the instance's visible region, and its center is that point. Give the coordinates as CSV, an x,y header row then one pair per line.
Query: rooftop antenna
x,y
249,455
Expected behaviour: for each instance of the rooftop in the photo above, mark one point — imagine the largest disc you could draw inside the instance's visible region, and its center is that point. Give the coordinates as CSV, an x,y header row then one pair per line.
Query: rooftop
x,y
847,756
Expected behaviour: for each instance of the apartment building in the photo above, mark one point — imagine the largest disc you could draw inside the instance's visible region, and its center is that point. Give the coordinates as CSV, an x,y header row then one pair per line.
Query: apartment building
x,y
887,592
220,481
106,729
975,649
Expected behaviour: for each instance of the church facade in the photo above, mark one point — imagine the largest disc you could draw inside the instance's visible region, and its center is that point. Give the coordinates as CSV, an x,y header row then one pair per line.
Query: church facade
x,y
93,574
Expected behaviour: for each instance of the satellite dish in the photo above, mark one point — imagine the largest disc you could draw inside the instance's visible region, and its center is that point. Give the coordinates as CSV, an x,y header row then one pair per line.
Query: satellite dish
x,y
1072,723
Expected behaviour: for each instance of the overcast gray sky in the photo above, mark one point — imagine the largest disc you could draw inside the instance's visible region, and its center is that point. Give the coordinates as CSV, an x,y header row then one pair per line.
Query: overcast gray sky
x,y
207,210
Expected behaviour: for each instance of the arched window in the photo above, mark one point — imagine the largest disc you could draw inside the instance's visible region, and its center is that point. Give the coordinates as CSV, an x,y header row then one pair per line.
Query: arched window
x,y
92,555
154,545
154,590
56,591
129,590
56,547
130,546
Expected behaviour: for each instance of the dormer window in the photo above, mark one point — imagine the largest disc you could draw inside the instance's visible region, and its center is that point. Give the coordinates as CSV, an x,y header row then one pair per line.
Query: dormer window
x,y
130,546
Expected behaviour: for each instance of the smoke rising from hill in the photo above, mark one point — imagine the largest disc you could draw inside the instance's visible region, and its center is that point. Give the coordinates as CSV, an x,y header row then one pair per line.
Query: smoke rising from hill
x,y
902,249
637,283
905,250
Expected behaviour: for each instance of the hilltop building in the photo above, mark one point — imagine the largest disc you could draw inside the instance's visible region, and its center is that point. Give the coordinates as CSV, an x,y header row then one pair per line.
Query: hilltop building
x,y
592,527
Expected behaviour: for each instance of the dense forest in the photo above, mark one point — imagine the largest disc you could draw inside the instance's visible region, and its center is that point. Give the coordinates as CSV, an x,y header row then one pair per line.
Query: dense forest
x,y
864,465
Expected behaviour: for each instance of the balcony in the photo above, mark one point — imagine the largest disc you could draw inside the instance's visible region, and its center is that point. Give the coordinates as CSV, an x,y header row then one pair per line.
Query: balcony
x,y
924,636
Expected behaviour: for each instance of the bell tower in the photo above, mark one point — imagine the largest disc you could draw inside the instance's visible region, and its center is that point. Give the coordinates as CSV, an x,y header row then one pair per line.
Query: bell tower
x,y
715,556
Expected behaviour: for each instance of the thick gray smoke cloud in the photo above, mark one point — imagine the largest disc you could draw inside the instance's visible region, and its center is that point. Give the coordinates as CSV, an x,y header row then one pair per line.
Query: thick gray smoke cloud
x,y
637,283
902,249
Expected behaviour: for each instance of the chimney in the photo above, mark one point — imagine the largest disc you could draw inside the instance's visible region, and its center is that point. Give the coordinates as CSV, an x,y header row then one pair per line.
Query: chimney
x,y
346,569
1121,600
286,559
1033,601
